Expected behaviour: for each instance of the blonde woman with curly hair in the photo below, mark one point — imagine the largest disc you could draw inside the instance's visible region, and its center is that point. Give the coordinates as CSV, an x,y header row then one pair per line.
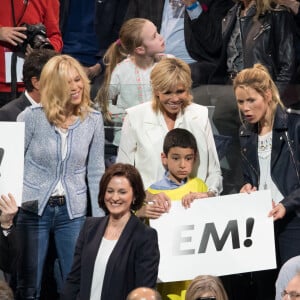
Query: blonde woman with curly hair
x,y
64,145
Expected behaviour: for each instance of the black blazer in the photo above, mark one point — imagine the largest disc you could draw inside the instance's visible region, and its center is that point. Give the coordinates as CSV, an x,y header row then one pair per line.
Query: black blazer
x,y
133,262
10,111
285,156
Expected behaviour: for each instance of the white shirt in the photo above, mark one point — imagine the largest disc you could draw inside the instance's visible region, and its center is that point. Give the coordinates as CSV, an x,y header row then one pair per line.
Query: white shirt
x,y
264,158
131,86
172,29
104,252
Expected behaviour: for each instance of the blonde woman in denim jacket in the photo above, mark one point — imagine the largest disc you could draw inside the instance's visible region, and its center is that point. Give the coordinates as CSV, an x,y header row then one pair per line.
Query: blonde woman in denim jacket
x,y
64,146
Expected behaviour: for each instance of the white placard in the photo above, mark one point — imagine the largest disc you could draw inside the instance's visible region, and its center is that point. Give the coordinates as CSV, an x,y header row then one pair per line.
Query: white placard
x,y
12,163
218,236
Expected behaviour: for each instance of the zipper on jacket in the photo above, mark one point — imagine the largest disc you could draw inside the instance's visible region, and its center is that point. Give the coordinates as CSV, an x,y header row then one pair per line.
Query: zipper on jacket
x,y
262,29
292,155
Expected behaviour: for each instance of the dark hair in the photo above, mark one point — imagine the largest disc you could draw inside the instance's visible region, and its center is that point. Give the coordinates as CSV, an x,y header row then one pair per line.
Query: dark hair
x,y
34,64
179,137
134,178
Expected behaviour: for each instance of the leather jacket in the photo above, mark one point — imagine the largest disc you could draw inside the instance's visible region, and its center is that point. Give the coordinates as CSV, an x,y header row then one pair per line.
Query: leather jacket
x,y
268,40
285,156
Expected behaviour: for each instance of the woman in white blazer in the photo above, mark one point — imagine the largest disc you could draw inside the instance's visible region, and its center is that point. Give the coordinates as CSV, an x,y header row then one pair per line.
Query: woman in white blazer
x,y
146,125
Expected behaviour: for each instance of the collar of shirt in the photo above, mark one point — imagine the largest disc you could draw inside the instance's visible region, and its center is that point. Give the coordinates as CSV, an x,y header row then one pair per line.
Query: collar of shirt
x,y
167,184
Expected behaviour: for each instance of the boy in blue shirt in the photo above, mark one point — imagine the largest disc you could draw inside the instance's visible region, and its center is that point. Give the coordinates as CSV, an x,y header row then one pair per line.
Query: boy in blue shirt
x,y
179,157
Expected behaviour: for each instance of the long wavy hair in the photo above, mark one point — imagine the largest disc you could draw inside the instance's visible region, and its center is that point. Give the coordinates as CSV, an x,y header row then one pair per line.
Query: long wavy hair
x,y
55,90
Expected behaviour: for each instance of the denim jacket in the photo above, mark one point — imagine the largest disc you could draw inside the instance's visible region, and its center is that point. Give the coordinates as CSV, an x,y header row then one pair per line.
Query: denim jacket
x,y
285,156
44,166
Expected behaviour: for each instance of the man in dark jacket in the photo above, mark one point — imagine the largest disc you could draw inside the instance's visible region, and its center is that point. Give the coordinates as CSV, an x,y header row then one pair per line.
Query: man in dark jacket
x,y
32,69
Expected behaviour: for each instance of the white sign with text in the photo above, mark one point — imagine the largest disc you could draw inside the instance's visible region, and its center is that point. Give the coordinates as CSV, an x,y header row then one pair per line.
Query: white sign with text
x,y
12,159
217,236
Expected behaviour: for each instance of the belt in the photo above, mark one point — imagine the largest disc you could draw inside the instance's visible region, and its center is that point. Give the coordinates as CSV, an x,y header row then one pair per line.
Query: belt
x,y
57,201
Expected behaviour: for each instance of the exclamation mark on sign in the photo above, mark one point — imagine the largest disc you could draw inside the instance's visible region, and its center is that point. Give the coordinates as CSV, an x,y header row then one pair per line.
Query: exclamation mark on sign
x,y
249,228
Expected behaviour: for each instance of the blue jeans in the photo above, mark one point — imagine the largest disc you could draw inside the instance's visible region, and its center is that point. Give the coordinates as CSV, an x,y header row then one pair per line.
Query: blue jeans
x,y
33,233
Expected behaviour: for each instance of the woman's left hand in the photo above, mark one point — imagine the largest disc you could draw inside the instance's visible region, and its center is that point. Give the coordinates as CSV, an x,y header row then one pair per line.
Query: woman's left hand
x,y
278,211
9,209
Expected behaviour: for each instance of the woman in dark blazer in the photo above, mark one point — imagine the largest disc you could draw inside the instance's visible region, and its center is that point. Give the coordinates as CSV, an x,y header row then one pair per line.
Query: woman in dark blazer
x,y
130,247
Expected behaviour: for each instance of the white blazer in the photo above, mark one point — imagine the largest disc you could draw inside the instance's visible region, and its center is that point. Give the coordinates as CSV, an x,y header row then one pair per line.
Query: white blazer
x,y
142,139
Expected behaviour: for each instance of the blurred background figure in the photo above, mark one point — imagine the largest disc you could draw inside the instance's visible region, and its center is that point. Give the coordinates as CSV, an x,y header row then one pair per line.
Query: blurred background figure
x,y
144,293
292,290
32,68
192,29
287,272
206,287
5,291
88,28
16,39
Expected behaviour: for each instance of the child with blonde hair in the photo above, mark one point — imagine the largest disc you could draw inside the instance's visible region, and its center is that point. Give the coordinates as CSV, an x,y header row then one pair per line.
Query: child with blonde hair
x,y
129,62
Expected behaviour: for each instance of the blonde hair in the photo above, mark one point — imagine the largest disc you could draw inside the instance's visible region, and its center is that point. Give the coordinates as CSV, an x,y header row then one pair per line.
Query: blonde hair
x,y
167,75
259,79
206,284
55,90
130,37
263,6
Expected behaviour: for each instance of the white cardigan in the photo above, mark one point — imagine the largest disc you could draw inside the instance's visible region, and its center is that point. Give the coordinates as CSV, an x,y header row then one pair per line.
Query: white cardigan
x,y
142,139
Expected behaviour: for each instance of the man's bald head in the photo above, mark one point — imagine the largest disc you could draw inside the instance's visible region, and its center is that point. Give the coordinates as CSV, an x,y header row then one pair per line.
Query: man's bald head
x,y
143,293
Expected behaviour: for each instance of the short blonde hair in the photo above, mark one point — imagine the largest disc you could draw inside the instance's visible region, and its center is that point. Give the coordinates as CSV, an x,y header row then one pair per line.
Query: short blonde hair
x,y
55,91
167,75
206,284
